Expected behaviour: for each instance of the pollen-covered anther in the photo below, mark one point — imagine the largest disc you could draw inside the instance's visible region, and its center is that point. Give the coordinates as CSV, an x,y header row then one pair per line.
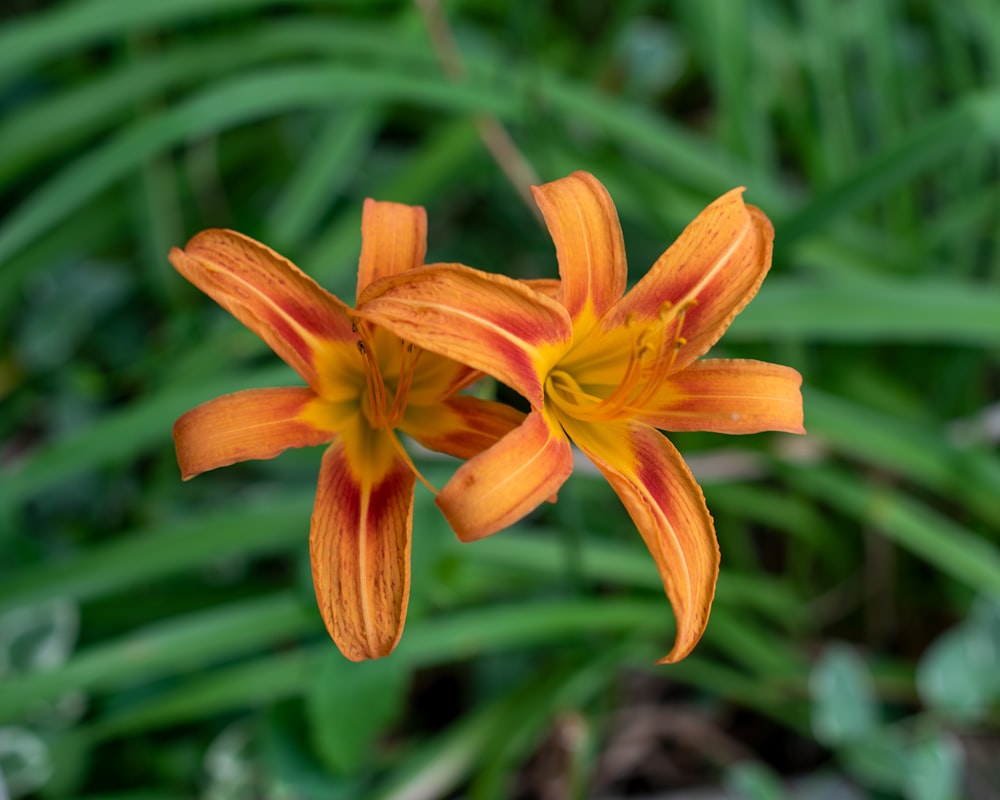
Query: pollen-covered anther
x,y
670,323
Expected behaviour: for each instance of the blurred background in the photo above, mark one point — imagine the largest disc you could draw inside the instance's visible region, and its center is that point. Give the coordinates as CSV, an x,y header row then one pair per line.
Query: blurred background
x,y
160,639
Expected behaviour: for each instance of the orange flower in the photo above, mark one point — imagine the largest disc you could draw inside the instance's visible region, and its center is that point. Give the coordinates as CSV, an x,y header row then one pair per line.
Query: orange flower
x,y
606,370
363,383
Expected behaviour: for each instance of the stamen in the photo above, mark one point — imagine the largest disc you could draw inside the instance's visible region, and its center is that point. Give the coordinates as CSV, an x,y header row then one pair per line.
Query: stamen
x,y
613,403
401,452
666,354
566,393
407,364
647,365
373,380
619,397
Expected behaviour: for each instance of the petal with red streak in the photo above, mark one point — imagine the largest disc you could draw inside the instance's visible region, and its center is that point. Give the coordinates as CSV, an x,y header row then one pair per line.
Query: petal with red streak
x,y
253,424
728,396
498,487
462,426
359,543
303,323
393,240
668,508
489,322
583,223
708,275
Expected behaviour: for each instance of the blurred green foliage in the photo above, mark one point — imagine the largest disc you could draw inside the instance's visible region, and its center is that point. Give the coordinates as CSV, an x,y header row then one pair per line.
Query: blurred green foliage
x,y
160,639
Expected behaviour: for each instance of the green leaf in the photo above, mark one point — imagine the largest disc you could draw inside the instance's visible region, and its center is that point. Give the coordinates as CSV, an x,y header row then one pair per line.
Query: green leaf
x,y
123,434
249,97
187,643
943,543
350,705
843,697
752,780
338,152
883,310
973,120
959,675
25,761
879,760
934,769
916,451
74,25
258,682
38,637
264,524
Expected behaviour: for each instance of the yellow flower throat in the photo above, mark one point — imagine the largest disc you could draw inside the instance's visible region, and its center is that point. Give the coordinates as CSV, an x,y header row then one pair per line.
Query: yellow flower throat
x,y
651,349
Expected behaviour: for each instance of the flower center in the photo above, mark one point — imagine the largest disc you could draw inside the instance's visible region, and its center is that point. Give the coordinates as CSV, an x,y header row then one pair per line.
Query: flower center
x,y
652,349
375,404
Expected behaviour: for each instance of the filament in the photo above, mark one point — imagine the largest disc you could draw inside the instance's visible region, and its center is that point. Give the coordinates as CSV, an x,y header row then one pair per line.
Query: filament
x,y
651,356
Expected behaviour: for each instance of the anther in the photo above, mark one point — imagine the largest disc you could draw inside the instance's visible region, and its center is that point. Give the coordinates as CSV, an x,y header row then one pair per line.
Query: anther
x,y
361,347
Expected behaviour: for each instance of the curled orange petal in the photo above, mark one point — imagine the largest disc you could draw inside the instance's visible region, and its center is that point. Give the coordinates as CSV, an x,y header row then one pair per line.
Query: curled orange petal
x,y
253,424
705,278
461,426
393,240
728,396
271,296
498,487
359,544
668,508
583,223
489,322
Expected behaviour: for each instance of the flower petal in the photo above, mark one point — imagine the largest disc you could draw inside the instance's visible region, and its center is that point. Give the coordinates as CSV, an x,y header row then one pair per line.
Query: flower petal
x,y
550,287
393,240
668,508
490,322
253,424
462,426
286,308
359,543
584,226
499,486
728,396
709,274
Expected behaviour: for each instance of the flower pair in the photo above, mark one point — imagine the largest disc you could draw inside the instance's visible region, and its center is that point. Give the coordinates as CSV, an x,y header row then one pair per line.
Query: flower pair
x,y
599,366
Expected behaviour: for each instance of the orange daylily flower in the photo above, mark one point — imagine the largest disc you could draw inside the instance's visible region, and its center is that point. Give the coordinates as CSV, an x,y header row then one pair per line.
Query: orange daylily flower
x,y
605,369
363,385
